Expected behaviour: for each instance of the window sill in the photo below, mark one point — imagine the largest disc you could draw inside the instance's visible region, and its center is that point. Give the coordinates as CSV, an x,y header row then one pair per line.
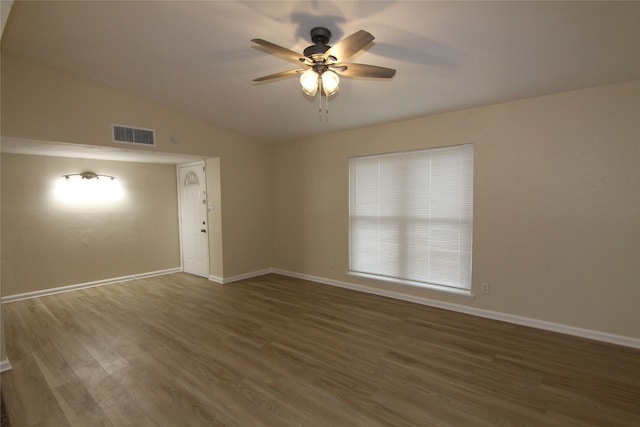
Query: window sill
x,y
428,286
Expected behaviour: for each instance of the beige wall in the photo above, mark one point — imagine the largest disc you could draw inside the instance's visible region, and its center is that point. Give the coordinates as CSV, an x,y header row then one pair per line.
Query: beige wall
x,y
3,354
556,206
47,243
246,210
44,103
5,7
556,189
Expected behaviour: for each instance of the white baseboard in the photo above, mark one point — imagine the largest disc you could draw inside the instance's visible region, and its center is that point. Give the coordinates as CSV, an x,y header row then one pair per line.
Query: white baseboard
x,y
510,318
45,292
216,279
5,365
225,280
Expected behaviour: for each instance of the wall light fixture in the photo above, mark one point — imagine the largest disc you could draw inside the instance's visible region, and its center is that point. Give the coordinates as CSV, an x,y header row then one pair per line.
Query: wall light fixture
x,y
88,188
88,175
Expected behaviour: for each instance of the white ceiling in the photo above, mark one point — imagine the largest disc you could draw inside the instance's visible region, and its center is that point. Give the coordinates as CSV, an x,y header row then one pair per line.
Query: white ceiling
x,y
197,56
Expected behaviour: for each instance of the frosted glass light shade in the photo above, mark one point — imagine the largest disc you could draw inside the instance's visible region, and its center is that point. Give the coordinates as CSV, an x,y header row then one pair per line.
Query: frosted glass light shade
x,y
309,82
77,191
330,82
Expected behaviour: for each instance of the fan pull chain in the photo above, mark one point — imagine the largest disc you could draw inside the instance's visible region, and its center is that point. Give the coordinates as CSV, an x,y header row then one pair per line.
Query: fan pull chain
x,y
326,107
324,117
326,102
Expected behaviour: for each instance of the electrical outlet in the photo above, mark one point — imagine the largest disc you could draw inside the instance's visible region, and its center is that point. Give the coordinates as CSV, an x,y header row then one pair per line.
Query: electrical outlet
x,y
332,263
485,288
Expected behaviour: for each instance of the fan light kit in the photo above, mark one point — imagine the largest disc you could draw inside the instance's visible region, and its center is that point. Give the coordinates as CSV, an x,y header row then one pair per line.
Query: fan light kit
x,y
324,63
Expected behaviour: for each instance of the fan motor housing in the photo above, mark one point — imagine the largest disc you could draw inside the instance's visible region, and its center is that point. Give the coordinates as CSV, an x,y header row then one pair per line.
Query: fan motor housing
x,y
320,36
316,49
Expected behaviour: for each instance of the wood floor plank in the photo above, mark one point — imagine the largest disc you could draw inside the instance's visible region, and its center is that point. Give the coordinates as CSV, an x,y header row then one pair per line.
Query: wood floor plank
x,y
36,403
179,350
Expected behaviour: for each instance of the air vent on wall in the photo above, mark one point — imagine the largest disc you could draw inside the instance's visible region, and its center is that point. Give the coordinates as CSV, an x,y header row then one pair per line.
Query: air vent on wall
x,y
131,135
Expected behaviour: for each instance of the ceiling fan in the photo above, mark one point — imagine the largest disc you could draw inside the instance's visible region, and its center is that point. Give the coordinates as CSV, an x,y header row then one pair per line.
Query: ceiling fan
x,y
323,63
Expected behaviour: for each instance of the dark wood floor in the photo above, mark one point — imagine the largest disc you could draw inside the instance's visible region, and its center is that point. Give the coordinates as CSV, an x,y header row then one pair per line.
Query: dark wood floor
x,y
178,350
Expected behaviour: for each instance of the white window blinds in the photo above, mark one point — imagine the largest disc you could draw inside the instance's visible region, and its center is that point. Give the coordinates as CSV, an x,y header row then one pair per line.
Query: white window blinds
x,y
411,216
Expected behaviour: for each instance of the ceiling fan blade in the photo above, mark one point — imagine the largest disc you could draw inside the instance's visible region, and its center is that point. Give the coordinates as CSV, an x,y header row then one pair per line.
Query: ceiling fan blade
x,y
281,51
351,45
278,75
362,70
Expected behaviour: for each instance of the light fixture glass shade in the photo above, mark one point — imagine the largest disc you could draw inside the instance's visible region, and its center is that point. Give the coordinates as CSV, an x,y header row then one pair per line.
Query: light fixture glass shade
x,y
330,82
88,189
309,82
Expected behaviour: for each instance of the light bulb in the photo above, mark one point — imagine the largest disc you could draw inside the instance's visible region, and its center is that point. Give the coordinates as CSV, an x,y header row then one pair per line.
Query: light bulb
x,y
330,81
309,82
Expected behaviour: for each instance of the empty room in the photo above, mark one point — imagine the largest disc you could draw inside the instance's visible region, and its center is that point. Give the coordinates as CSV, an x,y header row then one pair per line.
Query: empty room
x,y
320,213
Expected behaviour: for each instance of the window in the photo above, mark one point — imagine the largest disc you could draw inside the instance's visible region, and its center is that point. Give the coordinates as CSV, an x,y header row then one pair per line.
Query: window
x,y
411,217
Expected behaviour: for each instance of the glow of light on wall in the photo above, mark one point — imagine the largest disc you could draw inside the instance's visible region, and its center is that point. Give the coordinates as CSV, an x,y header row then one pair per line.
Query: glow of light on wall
x,y
79,191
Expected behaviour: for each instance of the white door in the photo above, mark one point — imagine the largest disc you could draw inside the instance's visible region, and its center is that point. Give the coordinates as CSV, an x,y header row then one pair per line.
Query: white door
x,y
193,218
